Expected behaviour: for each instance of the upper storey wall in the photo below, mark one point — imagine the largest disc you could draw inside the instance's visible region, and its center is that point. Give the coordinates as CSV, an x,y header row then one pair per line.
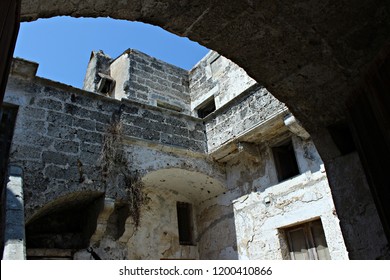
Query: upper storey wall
x,y
218,77
142,78
66,130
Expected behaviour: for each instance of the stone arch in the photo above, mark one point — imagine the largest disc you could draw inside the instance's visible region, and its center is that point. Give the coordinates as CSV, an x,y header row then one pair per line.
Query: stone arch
x,y
63,226
165,188
149,160
310,55
195,186
64,201
272,41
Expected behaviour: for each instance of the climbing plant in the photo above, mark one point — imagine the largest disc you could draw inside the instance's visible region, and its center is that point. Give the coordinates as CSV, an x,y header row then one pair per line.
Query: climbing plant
x,y
115,163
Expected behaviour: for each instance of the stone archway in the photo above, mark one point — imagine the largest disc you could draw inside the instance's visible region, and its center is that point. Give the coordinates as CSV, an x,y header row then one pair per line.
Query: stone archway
x,y
294,49
167,190
310,55
63,226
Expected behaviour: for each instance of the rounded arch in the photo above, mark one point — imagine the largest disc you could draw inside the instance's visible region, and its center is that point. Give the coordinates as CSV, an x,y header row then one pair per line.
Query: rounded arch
x,y
66,223
195,186
77,199
150,160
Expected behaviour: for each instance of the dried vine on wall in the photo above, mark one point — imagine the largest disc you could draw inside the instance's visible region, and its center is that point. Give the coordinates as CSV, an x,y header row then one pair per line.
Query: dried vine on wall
x,y
115,163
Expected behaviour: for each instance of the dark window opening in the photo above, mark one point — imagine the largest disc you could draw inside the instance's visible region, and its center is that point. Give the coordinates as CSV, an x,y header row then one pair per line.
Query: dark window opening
x,y
285,161
307,242
206,108
106,84
185,224
342,137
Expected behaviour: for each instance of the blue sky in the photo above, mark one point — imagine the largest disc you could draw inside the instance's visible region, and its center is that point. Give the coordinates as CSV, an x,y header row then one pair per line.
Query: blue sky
x,y
62,45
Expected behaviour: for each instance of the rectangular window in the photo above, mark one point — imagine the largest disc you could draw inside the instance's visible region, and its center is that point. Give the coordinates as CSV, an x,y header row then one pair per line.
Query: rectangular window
x,y
307,242
206,108
285,161
106,84
185,224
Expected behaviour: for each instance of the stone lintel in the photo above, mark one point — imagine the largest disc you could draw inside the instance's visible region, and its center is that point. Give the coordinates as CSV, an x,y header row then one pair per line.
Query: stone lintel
x,y
295,127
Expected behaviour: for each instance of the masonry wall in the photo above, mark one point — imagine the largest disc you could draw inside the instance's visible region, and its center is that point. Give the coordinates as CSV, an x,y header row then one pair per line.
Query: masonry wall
x,y
98,63
209,163
361,225
66,129
153,81
219,77
253,107
141,78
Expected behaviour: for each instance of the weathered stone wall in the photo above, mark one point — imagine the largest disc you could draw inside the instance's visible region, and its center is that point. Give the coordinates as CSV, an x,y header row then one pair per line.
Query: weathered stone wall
x,y
61,160
216,229
56,142
156,238
242,114
163,126
98,63
170,150
66,127
14,236
141,78
153,80
219,77
271,40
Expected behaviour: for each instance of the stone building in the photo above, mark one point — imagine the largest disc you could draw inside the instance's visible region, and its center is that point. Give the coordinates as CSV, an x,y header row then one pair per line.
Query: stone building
x,y
150,161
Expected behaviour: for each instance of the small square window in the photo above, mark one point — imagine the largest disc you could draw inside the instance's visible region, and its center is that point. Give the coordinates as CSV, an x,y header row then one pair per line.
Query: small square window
x,y
185,224
206,108
106,84
285,161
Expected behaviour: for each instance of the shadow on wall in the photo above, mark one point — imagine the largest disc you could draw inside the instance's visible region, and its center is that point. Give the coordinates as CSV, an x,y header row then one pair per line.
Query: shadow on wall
x,y
65,224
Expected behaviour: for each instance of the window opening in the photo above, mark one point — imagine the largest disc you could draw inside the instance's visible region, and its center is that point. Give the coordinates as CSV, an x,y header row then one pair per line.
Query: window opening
x,y
185,224
106,84
307,242
206,108
285,161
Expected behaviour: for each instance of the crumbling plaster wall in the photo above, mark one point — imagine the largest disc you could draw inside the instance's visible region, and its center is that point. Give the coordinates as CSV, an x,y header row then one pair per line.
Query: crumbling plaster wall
x,y
156,238
303,198
267,205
